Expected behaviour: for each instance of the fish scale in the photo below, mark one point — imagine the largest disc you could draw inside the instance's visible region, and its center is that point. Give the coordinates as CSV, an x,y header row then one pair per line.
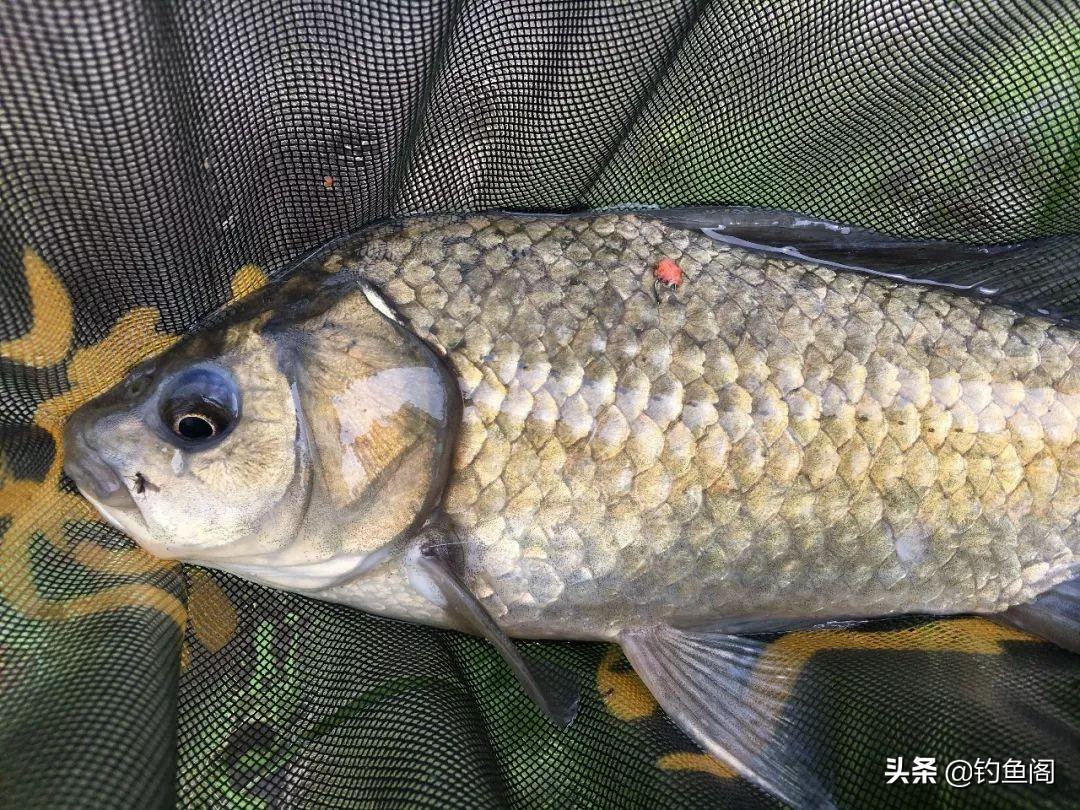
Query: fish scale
x,y
774,438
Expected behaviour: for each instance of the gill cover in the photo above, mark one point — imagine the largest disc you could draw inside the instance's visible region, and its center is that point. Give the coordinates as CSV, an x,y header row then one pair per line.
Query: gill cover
x,y
379,411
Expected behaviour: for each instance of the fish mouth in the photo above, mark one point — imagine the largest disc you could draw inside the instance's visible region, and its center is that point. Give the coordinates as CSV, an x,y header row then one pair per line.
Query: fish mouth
x,y
96,480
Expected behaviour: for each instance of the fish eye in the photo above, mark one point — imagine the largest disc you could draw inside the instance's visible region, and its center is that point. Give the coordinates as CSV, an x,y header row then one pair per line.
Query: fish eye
x,y
199,405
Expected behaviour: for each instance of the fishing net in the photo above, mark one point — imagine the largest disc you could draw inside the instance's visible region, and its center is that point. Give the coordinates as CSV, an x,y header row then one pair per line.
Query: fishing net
x,y
158,159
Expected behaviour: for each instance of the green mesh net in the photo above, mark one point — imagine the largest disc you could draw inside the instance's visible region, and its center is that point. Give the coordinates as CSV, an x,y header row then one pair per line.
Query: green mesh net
x,y
157,160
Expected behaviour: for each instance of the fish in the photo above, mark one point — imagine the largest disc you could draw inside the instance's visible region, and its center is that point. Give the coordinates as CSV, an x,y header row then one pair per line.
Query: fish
x,y
500,424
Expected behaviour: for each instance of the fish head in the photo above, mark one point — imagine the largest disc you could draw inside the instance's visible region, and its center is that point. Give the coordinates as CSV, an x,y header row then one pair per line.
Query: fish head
x,y
294,443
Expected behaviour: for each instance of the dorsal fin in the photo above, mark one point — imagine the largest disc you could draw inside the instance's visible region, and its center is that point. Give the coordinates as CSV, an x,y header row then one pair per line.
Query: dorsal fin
x,y
1038,277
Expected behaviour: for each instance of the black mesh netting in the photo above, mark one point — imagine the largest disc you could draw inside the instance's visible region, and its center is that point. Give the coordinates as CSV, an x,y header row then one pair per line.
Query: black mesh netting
x,y
156,158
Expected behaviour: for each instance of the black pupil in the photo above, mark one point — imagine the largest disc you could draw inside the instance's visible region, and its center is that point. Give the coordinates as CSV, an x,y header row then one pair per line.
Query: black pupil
x,y
195,426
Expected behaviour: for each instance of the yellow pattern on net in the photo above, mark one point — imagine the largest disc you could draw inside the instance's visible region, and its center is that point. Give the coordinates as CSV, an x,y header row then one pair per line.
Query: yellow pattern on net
x,y
41,509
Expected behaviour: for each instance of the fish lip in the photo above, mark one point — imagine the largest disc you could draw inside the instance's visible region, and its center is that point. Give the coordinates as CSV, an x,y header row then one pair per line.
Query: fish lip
x,y
94,477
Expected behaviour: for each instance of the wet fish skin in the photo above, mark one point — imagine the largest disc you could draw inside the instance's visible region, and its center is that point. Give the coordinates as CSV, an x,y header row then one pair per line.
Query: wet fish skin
x,y
775,440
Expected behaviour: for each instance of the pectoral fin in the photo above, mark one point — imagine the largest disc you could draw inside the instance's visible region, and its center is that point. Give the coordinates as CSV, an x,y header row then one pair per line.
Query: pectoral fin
x,y
719,690
1054,615
552,691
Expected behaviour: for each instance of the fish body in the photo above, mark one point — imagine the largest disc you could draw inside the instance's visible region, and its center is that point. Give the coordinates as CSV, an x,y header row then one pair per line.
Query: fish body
x,y
779,438
771,442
